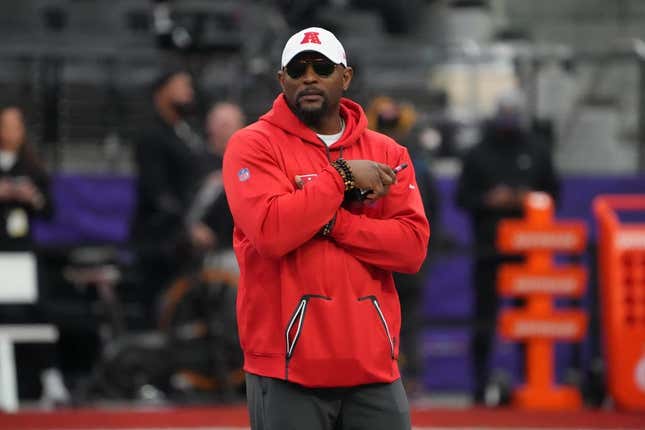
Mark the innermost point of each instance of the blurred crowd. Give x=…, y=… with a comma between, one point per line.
x=181, y=240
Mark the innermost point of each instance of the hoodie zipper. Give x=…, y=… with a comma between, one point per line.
x=381, y=317
x=298, y=319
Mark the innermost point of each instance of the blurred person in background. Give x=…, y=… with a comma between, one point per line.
x=209, y=214
x=167, y=161
x=321, y=222
x=24, y=184
x=496, y=176
x=25, y=196
x=399, y=121
x=206, y=293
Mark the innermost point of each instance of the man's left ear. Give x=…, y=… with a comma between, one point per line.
x=348, y=73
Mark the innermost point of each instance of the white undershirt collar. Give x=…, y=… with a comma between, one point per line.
x=330, y=139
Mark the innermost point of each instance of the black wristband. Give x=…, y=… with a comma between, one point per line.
x=326, y=230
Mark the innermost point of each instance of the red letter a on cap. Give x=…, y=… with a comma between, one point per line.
x=310, y=37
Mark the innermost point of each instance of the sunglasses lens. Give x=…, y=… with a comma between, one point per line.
x=296, y=69
x=323, y=68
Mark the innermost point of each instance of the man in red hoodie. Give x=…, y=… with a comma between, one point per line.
x=324, y=212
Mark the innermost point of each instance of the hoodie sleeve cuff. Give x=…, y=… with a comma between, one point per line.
x=341, y=224
x=338, y=180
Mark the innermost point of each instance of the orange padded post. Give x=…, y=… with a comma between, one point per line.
x=621, y=263
x=538, y=236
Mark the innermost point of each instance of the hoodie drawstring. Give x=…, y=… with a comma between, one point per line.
x=328, y=152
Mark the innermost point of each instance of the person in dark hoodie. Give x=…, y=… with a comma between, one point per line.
x=167, y=157
x=322, y=220
x=496, y=175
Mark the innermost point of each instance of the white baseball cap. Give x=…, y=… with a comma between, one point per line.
x=314, y=39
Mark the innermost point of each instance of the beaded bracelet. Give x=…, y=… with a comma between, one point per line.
x=345, y=172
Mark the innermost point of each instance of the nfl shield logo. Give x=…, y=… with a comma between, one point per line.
x=244, y=174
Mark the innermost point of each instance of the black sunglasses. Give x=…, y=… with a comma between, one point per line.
x=322, y=67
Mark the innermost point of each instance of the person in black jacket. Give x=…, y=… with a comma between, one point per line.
x=24, y=184
x=496, y=175
x=167, y=160
x=24, y=196
x=209, y=213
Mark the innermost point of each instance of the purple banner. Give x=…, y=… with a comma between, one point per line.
x=88, y=210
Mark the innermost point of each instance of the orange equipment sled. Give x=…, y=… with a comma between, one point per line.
x=621, y=263
x=538, y=236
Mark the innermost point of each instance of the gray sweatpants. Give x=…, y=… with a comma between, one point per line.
x=275, y=404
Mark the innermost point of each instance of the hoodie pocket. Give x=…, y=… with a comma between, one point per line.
x=296, y=323
x=383, y=321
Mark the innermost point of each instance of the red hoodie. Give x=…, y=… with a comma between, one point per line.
x=319, y=311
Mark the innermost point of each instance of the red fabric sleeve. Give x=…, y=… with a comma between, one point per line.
x=399, y=240
x=266, y=206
